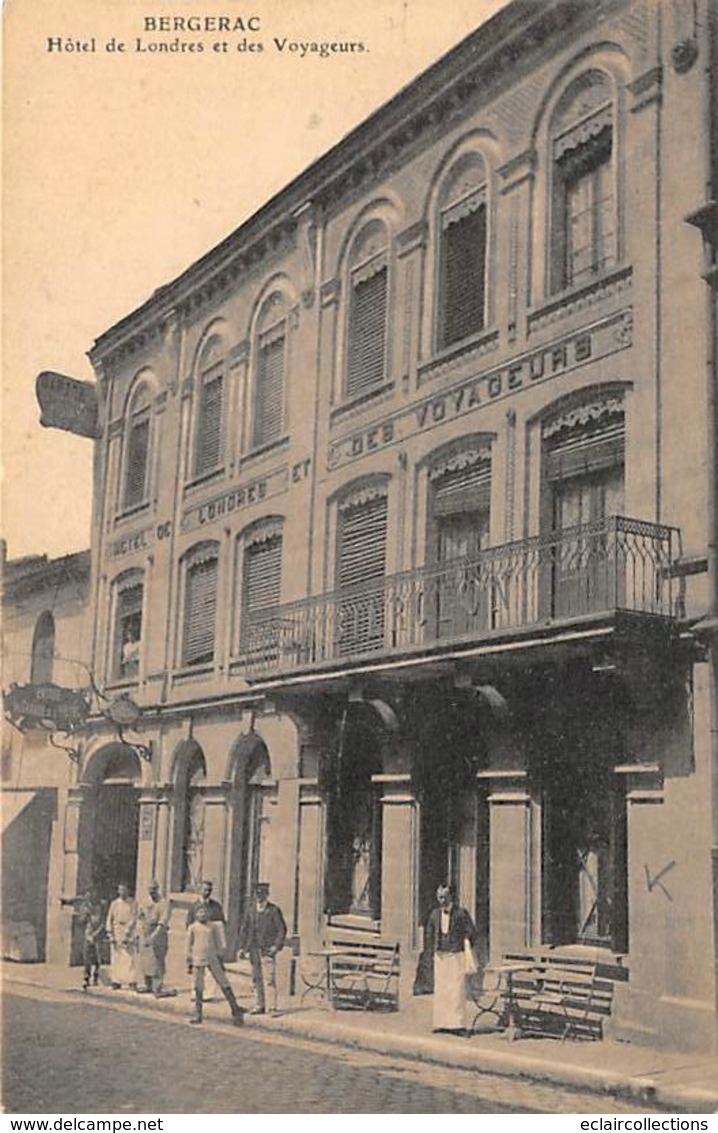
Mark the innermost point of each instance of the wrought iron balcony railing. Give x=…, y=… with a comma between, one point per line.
x=611, y=565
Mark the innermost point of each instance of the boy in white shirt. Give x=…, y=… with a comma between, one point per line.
x=206, y=945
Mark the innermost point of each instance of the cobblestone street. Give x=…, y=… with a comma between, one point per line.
x=65, y=1054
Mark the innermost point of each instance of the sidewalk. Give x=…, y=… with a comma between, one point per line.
x=666, y=1080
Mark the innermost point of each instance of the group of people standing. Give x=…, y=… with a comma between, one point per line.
x=138, y=935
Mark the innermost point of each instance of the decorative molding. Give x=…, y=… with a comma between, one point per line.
x=583, y=414
x=364, y=495
x=513, y=269
x=457, y=461
x=517, y=171
x=330, y=292
x=568, y=303
x=486, y=342
x=238, y=355
x=647, y=88
x=358, y=405
x=412, y=238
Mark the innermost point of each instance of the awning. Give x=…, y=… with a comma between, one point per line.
x=12, y=804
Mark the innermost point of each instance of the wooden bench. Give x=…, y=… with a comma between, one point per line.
x=364, y=975
x=555, y=997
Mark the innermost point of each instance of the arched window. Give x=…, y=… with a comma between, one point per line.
x=583, y=446
x=368, y=311
x=201, y=568
x=191, y=782
x=209, y=419
x=43, y=649
x=462, y=228
x=584, y=214
x=137, y=448
x=129, y=595
x=261, y=587
x=270, y=367
x=361, y=568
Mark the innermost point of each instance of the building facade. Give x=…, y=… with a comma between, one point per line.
x=47, y=629
x=402, y=521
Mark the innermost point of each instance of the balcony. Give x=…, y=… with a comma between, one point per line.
x=581, y=573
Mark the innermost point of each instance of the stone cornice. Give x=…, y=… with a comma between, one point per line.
x=475, y=69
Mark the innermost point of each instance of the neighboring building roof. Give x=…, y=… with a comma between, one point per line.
x=35, y=573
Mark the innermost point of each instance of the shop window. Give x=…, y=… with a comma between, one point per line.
x=584, y=475
x=43, y=649
x=128, y=627
x=200, y=605
x=584, y=231
x=459, y=504
x=261, y=589
x=137, y=449
x=361, y=568
x=368, y=311
x=462, y=253
x=270, y=366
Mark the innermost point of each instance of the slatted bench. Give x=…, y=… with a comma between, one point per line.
x=364, y=975
x=560, y=998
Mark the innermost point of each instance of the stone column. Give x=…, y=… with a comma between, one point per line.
x=400, y=856
x=312, y=841
x=513, y=888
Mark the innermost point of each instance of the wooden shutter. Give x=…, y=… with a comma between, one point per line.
x=465, y=489
x=263, y=574
x=269, y=407
x=367, y=333
x=583, y=442
x=136, y=462
x=208, y=452
x=362, y=546
x=200, y=610
x=463, y=261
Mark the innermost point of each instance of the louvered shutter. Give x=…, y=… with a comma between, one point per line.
x=269, y=407
x=463, y=261
x=200, y=611
x=466, y=489
x=367, y=333
x=263, y=574
x=362, y=548
x=588, y=447
x=136, y=462
x=209, y=426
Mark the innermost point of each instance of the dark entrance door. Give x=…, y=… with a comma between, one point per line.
x=114, y=848
x=584, y=856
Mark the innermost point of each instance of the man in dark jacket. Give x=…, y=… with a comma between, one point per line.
x=215, y=912
x=262, y=936
x=449, y=939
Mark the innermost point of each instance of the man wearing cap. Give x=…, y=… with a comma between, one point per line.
x=262, y=935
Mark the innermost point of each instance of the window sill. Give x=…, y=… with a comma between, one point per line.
x=205, y=478
x=484, y=342
x=131, y=512
x=262, y=450
x=355, y=404
x=572, y=299
x=200, y=669
x=119, y=684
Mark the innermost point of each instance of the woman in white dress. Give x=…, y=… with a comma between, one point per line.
x=121, y=918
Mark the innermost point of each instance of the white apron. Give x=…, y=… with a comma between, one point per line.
x=449, y=1005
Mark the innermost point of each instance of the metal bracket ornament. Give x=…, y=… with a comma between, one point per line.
x=123, y=712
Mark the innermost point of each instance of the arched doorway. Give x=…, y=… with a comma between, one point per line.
x=249, y=770
x=354, y=812
x=189, y=779
x=111, y=820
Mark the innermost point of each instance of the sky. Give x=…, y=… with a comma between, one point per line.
x=122, y=167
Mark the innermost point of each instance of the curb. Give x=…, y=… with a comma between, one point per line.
x=640, y=1089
